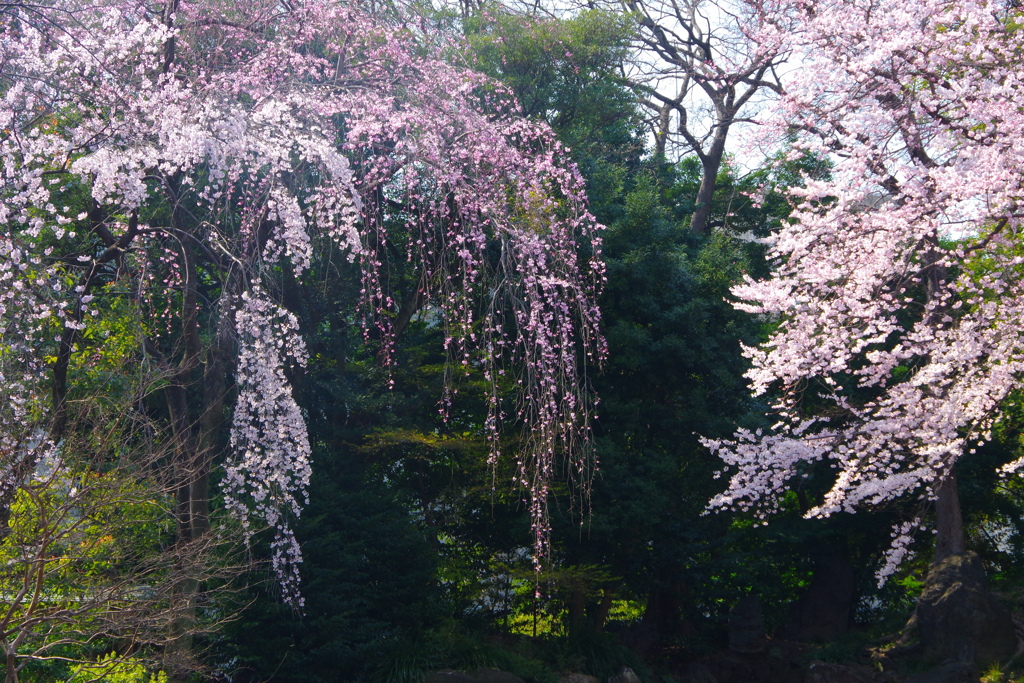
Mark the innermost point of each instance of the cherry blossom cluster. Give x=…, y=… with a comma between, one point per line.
x=271, y=470
x=897, y=288
x=215, y=141
x=902, y=536
x=31, y=306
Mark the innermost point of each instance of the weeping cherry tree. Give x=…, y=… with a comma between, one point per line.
x=186, y=157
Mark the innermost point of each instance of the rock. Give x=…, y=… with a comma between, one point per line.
x=828, y=672
x=958, y=619
x=955, y=672
x=485, y=675
x=746, y=626
x=578, y=678
x=627, y=675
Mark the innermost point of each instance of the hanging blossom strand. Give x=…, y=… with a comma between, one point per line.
x=218, y=142
x=270, y=473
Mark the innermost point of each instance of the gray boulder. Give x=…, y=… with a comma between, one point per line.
x=578, y=678
x=627, y=675
x=958, y=619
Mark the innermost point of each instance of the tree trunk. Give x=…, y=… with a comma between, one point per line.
x=12, y=669
x=661, y=135
x=177, y=653
x=577, y=609
x=710, y=165
x=604, y=608
x=194, y=454
x=188, y=476
x=949, y=521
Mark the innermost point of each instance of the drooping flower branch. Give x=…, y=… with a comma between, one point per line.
x=188, y=153
x=270, y=472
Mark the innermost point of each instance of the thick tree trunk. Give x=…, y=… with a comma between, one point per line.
x=577, y=609
x=604, y=608
x=190, y=474
x=949, y=521
x=211, y=422
x=194, y=456
x=12, y=670
x=177, y=653
x=711, y=163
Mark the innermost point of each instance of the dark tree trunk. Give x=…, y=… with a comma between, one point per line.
x=577, y=609
x=12, y=670
x=711, y=163
x=949, y=521
x=197, y=443
x=603, y=609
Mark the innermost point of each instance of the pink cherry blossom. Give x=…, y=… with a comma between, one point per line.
x=240, y=134
x=897, y=288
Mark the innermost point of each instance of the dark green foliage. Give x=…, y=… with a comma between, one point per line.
x=675, y=369
x=369, y=569
x=993, y=506
x=415, y=548
x=567, y=73
x=674, y=373
x=368, y=579
x=599, y=655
